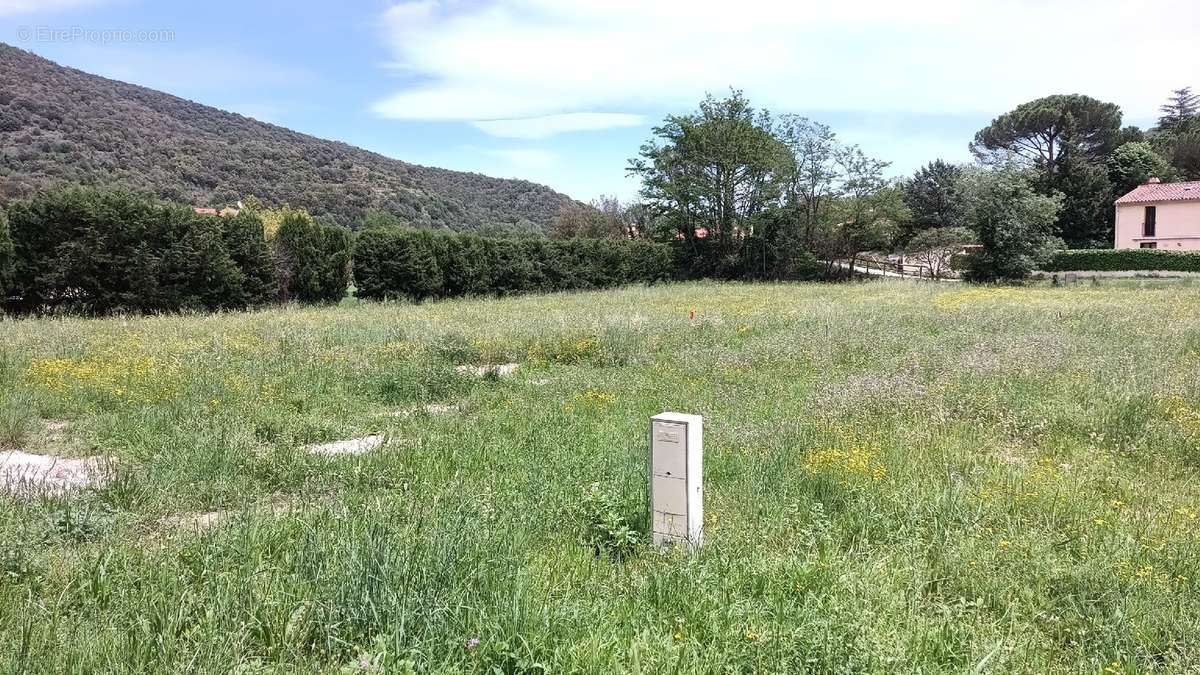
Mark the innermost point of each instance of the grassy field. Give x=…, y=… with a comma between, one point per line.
x=900, y=478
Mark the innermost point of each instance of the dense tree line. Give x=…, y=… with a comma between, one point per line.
x=102, y=252
x=756, y=196
x=398, y=262
x=61, y=127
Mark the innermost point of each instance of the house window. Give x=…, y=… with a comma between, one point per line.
x=1151, y=218
x=1149, y=244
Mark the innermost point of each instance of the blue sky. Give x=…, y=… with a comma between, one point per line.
x=563, y=92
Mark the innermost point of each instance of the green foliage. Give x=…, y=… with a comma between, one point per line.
x=1181, y=145
x=6, y=256
x=1134, y=164
x=386, y=259
x=422, y=264
x=100, y=252
x=244, y=241
x=62, y=126
x=1124, y=260
x=1087, y=215
x=937, y=248
x=1039, y=132
x=933, y=197
x=608, y=519
x=1182, y=108
x=1066, y=138
x=716, y=168
x=1013, y=222
x=313, y=259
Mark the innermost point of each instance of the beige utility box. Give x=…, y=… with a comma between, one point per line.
x=676, y=479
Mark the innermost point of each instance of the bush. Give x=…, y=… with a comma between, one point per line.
x=392, y=262
x=100, y=252
x=386, y=266
x=1125, y=260
x=244, y=240
x=313, y=259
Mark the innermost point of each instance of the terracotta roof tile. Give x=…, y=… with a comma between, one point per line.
x=1162, y=192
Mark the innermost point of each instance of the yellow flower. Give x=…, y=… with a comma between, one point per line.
x=1004, y=543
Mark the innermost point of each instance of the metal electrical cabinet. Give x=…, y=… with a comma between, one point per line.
x=677, y=479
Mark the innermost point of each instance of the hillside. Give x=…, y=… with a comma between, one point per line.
x=61, y=125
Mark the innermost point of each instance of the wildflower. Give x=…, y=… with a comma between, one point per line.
x=472, y=643
x=751, y=636
x=1004, y=543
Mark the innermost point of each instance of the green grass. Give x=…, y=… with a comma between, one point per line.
x=900, y=478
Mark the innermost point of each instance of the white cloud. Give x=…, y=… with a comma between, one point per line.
x=14, y=7
x=550, y=125
x=524, y=59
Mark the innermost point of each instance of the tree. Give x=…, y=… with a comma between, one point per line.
x=1013, y=221
x=313, y=259
x=933, y=197
x=381, y=218
x=716, y=169
x=599, y=220
x=520, y=229
x=1182, y=107
x=1087, y=214
x=6, y=257
x=936, y=247
x=101, y=252
x=1134, y=164
x=243, y=235
x=1039, y=132
x=395, y=262
x=1185, y=153
x=866, y=212
x=812, y=175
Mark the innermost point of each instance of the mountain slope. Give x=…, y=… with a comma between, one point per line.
x=61, y=125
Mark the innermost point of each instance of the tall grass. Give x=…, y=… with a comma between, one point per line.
x=900, y=478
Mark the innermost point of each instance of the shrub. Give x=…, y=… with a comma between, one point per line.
x=313, y=259
x=387, y=266
x=244, y=240
x=392, y=262
x=608, y=527
x=101, y=252
x=1126, y=260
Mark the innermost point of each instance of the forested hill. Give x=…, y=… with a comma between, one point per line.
x=61, y=125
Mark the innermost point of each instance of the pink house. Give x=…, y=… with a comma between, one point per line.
x=1159, y=215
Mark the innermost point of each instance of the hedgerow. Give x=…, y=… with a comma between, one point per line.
x=313, y=259
x=392, y=262
x=101, y=252
x=1125, y=260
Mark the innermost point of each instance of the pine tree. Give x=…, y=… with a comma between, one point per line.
x=1182, y=107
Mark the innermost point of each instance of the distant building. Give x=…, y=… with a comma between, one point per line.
x=1159, y=215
